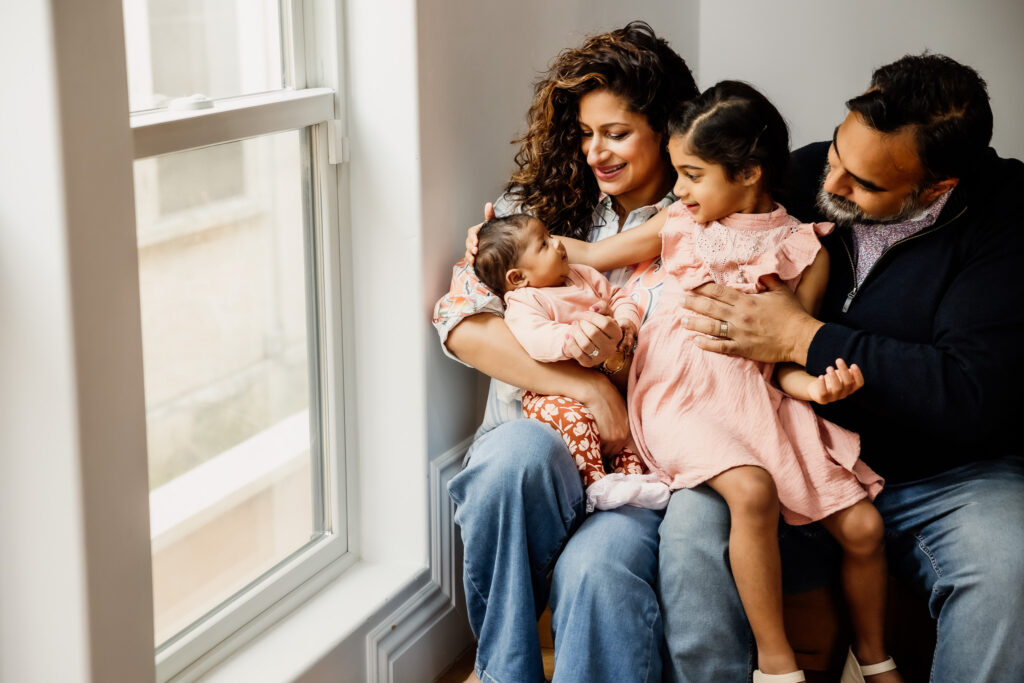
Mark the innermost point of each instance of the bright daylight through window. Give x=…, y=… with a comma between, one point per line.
x=237, y=250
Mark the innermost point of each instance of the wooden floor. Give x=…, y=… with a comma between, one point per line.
x=463, y=666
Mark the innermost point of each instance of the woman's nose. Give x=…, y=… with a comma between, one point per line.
x=594, y=151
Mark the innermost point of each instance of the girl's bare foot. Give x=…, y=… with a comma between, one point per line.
x=472, y=678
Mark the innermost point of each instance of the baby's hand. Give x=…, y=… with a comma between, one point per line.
x=471, y=234
x=628, y=336
x=837, y=383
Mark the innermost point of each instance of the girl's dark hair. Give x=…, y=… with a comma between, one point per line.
x=553, y=181
x=735, y=126
x=498, y=246
x=944, y=102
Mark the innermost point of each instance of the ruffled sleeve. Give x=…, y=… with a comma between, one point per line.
x=466, y=296
x=678, y=249
x=798, y=251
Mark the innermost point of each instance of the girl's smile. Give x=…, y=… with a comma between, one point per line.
x=708, y=193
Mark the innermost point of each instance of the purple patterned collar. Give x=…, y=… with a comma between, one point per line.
x=871, y=240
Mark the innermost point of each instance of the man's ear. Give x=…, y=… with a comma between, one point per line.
x=932, y=192
x=514, y=279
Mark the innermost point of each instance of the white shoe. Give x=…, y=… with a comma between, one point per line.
x=853, y=672
x=617, y=489
x=791, y=677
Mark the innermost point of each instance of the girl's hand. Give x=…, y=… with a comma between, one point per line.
x=593, y=338
x=837, y=383
x=471, y=234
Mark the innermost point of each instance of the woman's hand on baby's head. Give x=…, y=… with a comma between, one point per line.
x=837, y=383
x=471, y=234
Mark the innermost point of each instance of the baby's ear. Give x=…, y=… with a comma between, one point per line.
x=514, y=279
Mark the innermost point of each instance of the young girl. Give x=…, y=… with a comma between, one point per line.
x=701, y=417
x=519, y=259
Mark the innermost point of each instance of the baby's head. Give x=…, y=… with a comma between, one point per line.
x=728, y=145
x=518, y=251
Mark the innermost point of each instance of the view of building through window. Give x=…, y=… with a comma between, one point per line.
x=228, y=314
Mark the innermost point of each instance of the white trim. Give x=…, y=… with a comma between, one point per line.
x=423, y=636
x=164, y=131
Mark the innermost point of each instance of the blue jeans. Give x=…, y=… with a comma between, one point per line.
x=956, y=539
x=520, y=509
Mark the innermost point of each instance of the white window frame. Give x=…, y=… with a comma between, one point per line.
x=313, y=40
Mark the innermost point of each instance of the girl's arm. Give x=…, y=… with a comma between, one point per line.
x=485, y=342
x=839, y=381
x=632, y=246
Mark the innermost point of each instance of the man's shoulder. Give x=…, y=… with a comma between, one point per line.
x=807, y=165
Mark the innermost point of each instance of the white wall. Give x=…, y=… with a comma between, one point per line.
x=810, y=56
x=75, y=598
x=477, y=65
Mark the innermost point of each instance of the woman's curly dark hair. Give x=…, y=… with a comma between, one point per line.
x=553, y=181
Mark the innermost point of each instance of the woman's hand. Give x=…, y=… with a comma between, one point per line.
x=771, y=326
x=471, y=234
x=593, y=338
x=609, y=409
x=836, y=384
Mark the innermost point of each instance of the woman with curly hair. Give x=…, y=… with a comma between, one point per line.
x=592, y=163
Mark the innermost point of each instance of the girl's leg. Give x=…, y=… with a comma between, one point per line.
x=754, y=557
x=860, y=532
x=575, y=423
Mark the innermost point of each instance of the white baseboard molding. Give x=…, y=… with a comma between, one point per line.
x=420, y=639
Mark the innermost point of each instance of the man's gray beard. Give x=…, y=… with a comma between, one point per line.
x=842, y=211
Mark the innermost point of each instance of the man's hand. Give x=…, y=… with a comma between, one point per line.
x=836, y=384
x=593, y=338
x=770, y=326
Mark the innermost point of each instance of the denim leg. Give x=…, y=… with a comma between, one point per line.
x=518, y=500
x=958, y=538
x=605, y=614
x=706, y=629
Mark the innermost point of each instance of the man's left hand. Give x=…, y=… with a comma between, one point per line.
x=770, y=326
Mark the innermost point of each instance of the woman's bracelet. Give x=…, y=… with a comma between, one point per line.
x=610, y=369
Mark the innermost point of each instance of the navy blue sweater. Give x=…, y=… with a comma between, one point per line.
x=937, y=327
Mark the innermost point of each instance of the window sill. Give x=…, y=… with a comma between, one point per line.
x=333, y=624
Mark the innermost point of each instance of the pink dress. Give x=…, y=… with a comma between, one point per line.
x=695, y=414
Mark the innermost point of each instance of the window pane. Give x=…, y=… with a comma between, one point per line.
x=230, y=403
x=177, y=48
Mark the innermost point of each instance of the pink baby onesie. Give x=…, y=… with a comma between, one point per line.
x=540, y=317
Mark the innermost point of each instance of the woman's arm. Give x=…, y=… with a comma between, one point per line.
x=485, y=342
x=632, y=246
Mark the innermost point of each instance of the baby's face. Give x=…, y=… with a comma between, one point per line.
x=542, y=259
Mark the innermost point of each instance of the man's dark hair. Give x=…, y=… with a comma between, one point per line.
x=944, y=101
x=498, y=247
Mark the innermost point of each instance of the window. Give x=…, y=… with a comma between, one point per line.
x=239, y=262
